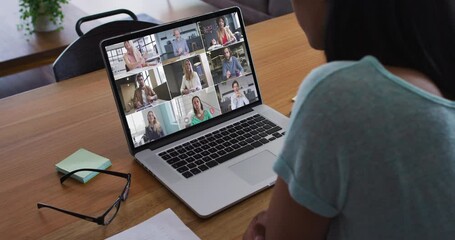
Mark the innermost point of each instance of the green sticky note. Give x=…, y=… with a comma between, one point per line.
x=83, y=158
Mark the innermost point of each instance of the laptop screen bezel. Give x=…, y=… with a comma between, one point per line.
x=199, y=127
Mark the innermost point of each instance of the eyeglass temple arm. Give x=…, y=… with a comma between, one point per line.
x=118, y=174
x=88, y=218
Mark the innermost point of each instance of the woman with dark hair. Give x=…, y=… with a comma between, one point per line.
x=370, y=150
x=225, y=36
x=200, y=114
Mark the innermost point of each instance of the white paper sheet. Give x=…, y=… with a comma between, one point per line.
x=163, y=226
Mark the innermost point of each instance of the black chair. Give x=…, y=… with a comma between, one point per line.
x=83, y=55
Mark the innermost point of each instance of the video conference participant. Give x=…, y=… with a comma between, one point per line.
x=231, y=66
x=225, y=36
x=190, y=80
x=143, y=95
x=133, y=58
x=238, y=99
x=200, y=114
x=179, y=45
x=153, y=131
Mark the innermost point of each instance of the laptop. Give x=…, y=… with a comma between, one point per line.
x=191, y=109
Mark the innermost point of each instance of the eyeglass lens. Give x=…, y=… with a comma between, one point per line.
x=112, y=212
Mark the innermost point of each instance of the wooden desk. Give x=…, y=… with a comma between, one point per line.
x=40, y=127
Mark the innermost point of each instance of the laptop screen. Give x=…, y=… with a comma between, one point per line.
x=170, y=80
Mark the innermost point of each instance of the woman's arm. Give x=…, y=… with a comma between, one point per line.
x=286, y=219
x=231, y=36
x=130, y=66
x=183, y=86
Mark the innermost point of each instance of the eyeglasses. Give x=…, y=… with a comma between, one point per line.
x=110, y=213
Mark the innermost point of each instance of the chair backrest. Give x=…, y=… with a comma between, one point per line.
x=83, y=55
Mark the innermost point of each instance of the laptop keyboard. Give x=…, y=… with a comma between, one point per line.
x=200, y=154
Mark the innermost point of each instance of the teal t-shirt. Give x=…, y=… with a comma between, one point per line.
x=373, y=152
x=195, y=120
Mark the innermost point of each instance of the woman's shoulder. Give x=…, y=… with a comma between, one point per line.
x=338, y=74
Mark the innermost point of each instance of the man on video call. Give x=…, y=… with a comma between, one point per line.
x=143, y=95
x=179, y=45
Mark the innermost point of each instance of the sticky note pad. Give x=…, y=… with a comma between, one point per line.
x=83, y=158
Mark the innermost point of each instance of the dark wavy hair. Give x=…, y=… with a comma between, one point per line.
x=405, y=33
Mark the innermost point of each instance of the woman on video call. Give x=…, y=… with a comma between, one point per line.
x=225, y=36
x=153, y=131
x=370, y=149
x=200, y=114
x=133, y=58
x=190, y=80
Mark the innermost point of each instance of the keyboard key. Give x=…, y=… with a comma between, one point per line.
x=183, y=156
x=173, y=160
x=191, y=165
x=165, y=156
x=187, y=174
x=212, y=163
x=272, y=130
x=199, y=162
x=277, y=135
x=214, y=155
x=256, y=144
x=228, y=149
x=195, y=171
x=183, y=169
x=256, y=137
x=263, y=140
x=234, y=154
x=203, y=167
x=179, y=164
x=173, y=153
x=243, y=143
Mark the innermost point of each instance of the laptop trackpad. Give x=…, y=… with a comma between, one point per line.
x=256, y=168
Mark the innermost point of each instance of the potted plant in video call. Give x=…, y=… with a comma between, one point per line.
x=41, y=15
